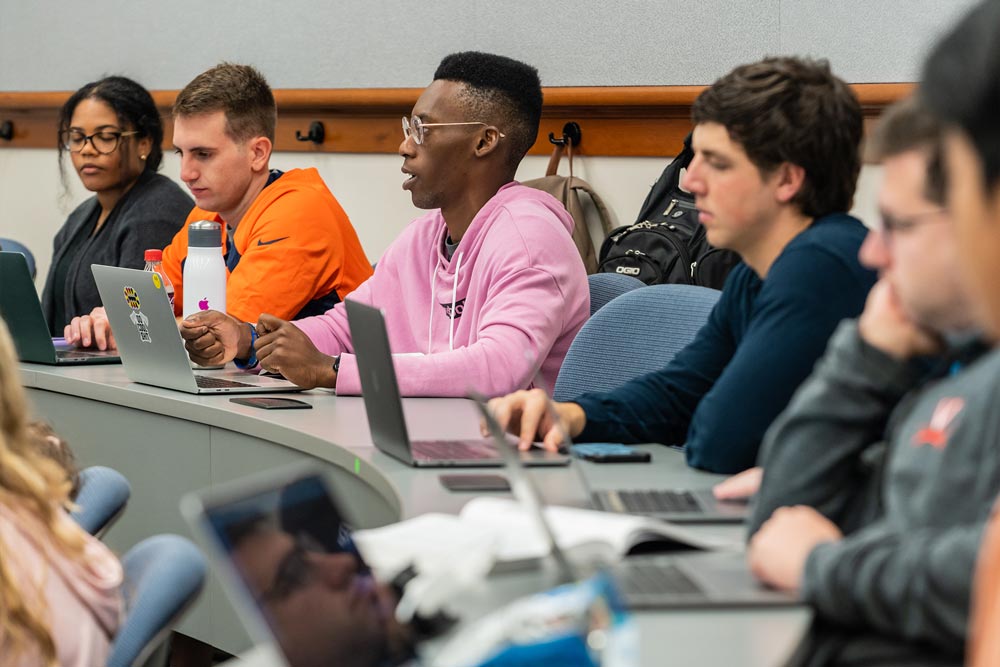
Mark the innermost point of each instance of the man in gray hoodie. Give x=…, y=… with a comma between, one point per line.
x=880, y=475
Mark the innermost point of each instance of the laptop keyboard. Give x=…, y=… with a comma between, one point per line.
x=205, y=382
x=80, y=354
x=655, y=579
x=646, y=501
x=443, y=450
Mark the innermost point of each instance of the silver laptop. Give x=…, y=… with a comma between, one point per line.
x=693, y=579
x=151, y=347
x=677, y=505
x=20, y=308
x=283, y=551
x=385, y=407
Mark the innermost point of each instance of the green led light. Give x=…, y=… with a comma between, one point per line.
x=357, y=466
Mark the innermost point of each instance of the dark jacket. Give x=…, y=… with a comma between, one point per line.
x=147, y=216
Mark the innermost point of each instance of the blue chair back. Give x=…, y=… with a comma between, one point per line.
x=163, y=576
x=10, y=245
x=636, y=333
x=101, y=497
x=606, y=286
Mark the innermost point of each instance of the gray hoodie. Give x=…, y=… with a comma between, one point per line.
x=913, y=510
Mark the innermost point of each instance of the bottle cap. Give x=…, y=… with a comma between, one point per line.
x=154, y=255
x=204, y=234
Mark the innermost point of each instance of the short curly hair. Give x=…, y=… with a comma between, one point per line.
x=792, y=110
x=499, y=90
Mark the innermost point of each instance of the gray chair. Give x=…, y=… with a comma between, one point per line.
x=101, y=497
x=10, y=245
x=606, y=286
x=636, y=333
x=163, y=576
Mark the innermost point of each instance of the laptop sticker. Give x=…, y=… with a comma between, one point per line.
x=157, y=283
x=140, y=321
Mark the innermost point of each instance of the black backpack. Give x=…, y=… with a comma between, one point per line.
x=667, y=244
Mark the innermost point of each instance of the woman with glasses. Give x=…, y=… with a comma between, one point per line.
x=113, y=134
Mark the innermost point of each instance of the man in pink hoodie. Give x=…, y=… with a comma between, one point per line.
x=483, y=291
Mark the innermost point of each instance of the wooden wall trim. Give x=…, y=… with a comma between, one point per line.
x=616, y=121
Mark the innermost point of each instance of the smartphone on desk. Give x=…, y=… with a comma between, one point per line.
x=609, y=452
x=272, y=403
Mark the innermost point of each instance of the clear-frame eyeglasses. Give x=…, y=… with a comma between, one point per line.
x=416, y=128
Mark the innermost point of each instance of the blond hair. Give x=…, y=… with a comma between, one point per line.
x=33, y=484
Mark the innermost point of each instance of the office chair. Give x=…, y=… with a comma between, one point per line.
x=10, y=245
x=163, y=576
x=638, y=332
x=102, y=496
x=606, y=286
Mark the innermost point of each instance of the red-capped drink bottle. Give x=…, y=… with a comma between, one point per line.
x=154, y=262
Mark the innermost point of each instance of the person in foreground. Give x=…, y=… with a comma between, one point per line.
x=479, y=292
x=962, y=86
x=59, y=587
x=289, y=247
x=768, y=190
x=112, y=131
x=879, y=476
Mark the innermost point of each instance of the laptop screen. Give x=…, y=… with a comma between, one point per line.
x=293, y=553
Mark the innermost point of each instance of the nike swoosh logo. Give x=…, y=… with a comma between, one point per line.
x=263, y=242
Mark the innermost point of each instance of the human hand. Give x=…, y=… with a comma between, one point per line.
x=885, y=325
x=213, y=338
x=529, y=414
x=91, y=330
x=740, y=486
x=283, y=348
x=777, y=554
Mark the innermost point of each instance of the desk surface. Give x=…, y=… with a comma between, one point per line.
x=169, y=443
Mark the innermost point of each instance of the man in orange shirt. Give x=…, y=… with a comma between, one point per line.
x=290, y=249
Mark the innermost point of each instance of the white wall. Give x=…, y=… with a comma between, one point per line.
x=383, y=43
x=368, y=186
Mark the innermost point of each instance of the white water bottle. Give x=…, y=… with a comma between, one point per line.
x=154, y=263
x=204, y=269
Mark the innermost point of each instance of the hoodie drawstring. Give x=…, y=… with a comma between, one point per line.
x=454, y=294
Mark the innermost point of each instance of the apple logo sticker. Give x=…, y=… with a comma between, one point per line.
x=203, y=304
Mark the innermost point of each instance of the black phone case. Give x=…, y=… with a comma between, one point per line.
x=271, y=403
x=474, y=482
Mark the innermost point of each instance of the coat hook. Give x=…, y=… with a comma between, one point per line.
x=316, y=133
x=571, y=133
x=7, y=130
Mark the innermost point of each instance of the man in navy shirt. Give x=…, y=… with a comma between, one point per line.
x=776, y=162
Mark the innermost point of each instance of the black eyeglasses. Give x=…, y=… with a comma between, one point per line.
x=104, y=142
x=891, y=225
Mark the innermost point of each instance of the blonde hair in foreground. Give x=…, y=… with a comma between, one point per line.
x=32, y=484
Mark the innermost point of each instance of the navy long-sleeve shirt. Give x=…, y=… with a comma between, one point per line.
x=721, y=392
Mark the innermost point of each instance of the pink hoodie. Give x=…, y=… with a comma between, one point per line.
x=516, y=283
x=81, y=597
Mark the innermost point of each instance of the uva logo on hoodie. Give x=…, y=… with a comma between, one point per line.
x=455, y=313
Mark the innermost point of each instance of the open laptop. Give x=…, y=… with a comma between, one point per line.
x=20, y=308
x=385, y=407
x=150, y=345
x=677, y=505
x=691, y=579
x=285, y=556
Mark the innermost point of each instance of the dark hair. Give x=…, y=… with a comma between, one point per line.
x=501, y=91
x=906, y=126
x=961, y=83
x=792, y=110
x=133, y=105
x=240, y=91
